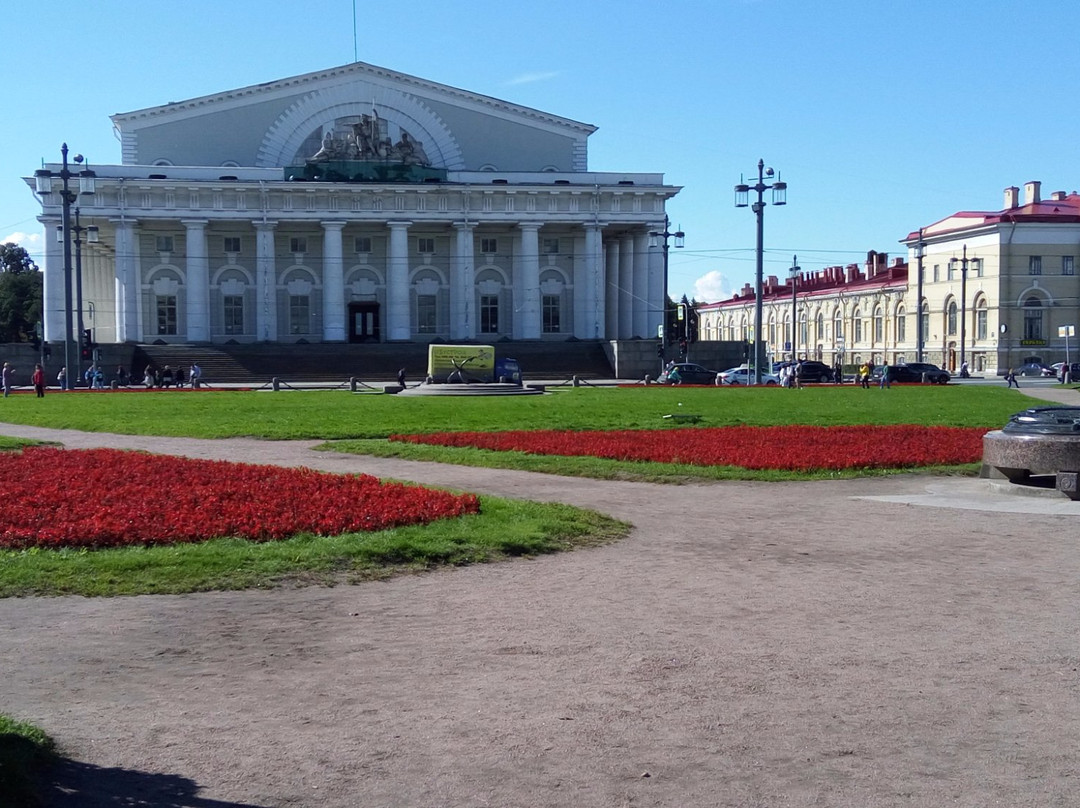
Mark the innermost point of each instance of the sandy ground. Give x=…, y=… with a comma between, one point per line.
x=866, y=643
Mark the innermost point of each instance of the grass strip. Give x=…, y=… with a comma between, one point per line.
x=24, y=752
x=503, y=529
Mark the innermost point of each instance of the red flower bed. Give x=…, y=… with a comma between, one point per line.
x=105, y=497
x=798, y=448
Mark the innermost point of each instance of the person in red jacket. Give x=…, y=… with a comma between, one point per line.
x=38, y=380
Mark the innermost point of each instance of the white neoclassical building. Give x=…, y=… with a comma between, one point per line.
x=356, y=204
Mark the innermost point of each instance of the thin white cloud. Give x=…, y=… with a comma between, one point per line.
x=531, y=78
x=28, y=241
x=711, y=287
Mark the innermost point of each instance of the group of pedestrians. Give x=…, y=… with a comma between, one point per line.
x=165, y=377
x=866, y=372
x=37, y=378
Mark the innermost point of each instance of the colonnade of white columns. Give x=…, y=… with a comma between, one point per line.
x=617, y=284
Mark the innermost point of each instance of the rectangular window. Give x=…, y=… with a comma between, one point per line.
x=1033, y=320
x=489, y=314
x=298, y=244
x=937, y=273
x=234, y=314
x=164, y=244
x=551, y=313
x=858, y=329
x=551, y=246
x=299, y=314
x=977, y=266
x=489, y=246
x=362, y=244
x=1067, y=266
x=425, y=245
x=951, y=271
x=425, y=314
x=1035, y=265
x=980, y=323
x=231, y=244
x=166, y=314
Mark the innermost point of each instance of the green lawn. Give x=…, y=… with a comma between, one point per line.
x=332, y=415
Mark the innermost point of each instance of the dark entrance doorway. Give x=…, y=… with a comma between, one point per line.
x=364, y=322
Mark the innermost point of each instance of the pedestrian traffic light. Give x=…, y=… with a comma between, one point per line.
x=87, y=346
x=681, y=312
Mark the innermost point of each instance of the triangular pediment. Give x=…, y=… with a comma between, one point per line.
x=277, y=123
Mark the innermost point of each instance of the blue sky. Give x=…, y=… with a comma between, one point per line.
x=881, y=116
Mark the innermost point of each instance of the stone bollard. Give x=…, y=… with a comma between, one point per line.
x=275, y=384
x=648, y=380
x=576, y=381
x=352, y=384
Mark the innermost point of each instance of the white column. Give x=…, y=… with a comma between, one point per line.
x=589, y=287
x=611, y=282
x=626, y=286
x=197, y=282
x=656, y=291
x=641, y=285
x=127, y=280
x=528, y=279
x=463, y=284
x=266, y=328
x=54, y=279
x=398, y=321
x=333, y=283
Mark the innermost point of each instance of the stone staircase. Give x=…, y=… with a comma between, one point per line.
x=258, y=364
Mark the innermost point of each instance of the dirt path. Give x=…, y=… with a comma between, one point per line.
x=747, y=645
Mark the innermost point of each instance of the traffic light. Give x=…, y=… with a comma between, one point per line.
x=681, y=312
x=87, y=343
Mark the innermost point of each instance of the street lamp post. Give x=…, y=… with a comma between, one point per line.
x=655, y=237
x=920, y=336
x=794, y=304
x=742, y=192
x=77, y=231
x=43, y=178
x=963, y=306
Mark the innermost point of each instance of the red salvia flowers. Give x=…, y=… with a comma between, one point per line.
x=105, y=497
x=797, y=448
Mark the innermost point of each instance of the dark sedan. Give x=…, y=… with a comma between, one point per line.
x=688, y=373
x=1034, y=369
x=913, y=373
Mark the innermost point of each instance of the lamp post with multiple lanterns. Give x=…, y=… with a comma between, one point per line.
x=655, y=237
x=44, y=185
x=742, y=192
x=920, y=335
x=795, y=268
x=963, y=306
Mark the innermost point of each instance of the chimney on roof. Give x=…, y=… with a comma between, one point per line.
x=1031, y=192
x=1058, y=196
x=1012, y=197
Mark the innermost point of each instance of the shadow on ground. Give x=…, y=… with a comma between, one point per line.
x=73, y=784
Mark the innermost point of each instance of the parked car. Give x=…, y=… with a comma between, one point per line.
x=688, y=373
x=1074, y=372
x=811, y=371
x=913, y=372
x=1035, y=369
x=744, y=375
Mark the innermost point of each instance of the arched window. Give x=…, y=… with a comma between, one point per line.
x=925, y=322
x=856, y=319
x=838, y=324
x=819, y=324
x=950, y=318
x=879, y=324
x=1033, y=318
x=901, y=325
x=981, y=319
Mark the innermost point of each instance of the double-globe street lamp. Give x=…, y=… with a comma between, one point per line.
x=91, y=238
x=43, y=179
x=655, y=237
x=963, y=305
x=742, y=192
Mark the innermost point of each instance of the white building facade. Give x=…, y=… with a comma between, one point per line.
x=357, y=204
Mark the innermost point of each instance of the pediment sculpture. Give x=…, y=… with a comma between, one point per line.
x=367, y=140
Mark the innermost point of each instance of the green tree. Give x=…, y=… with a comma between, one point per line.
x=21, y=292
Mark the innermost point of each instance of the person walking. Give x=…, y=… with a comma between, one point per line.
x=885, y=380
x=38, y=380
x=864, y=375
x=61, y=378
x=8, y=379
x=1010, y=379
